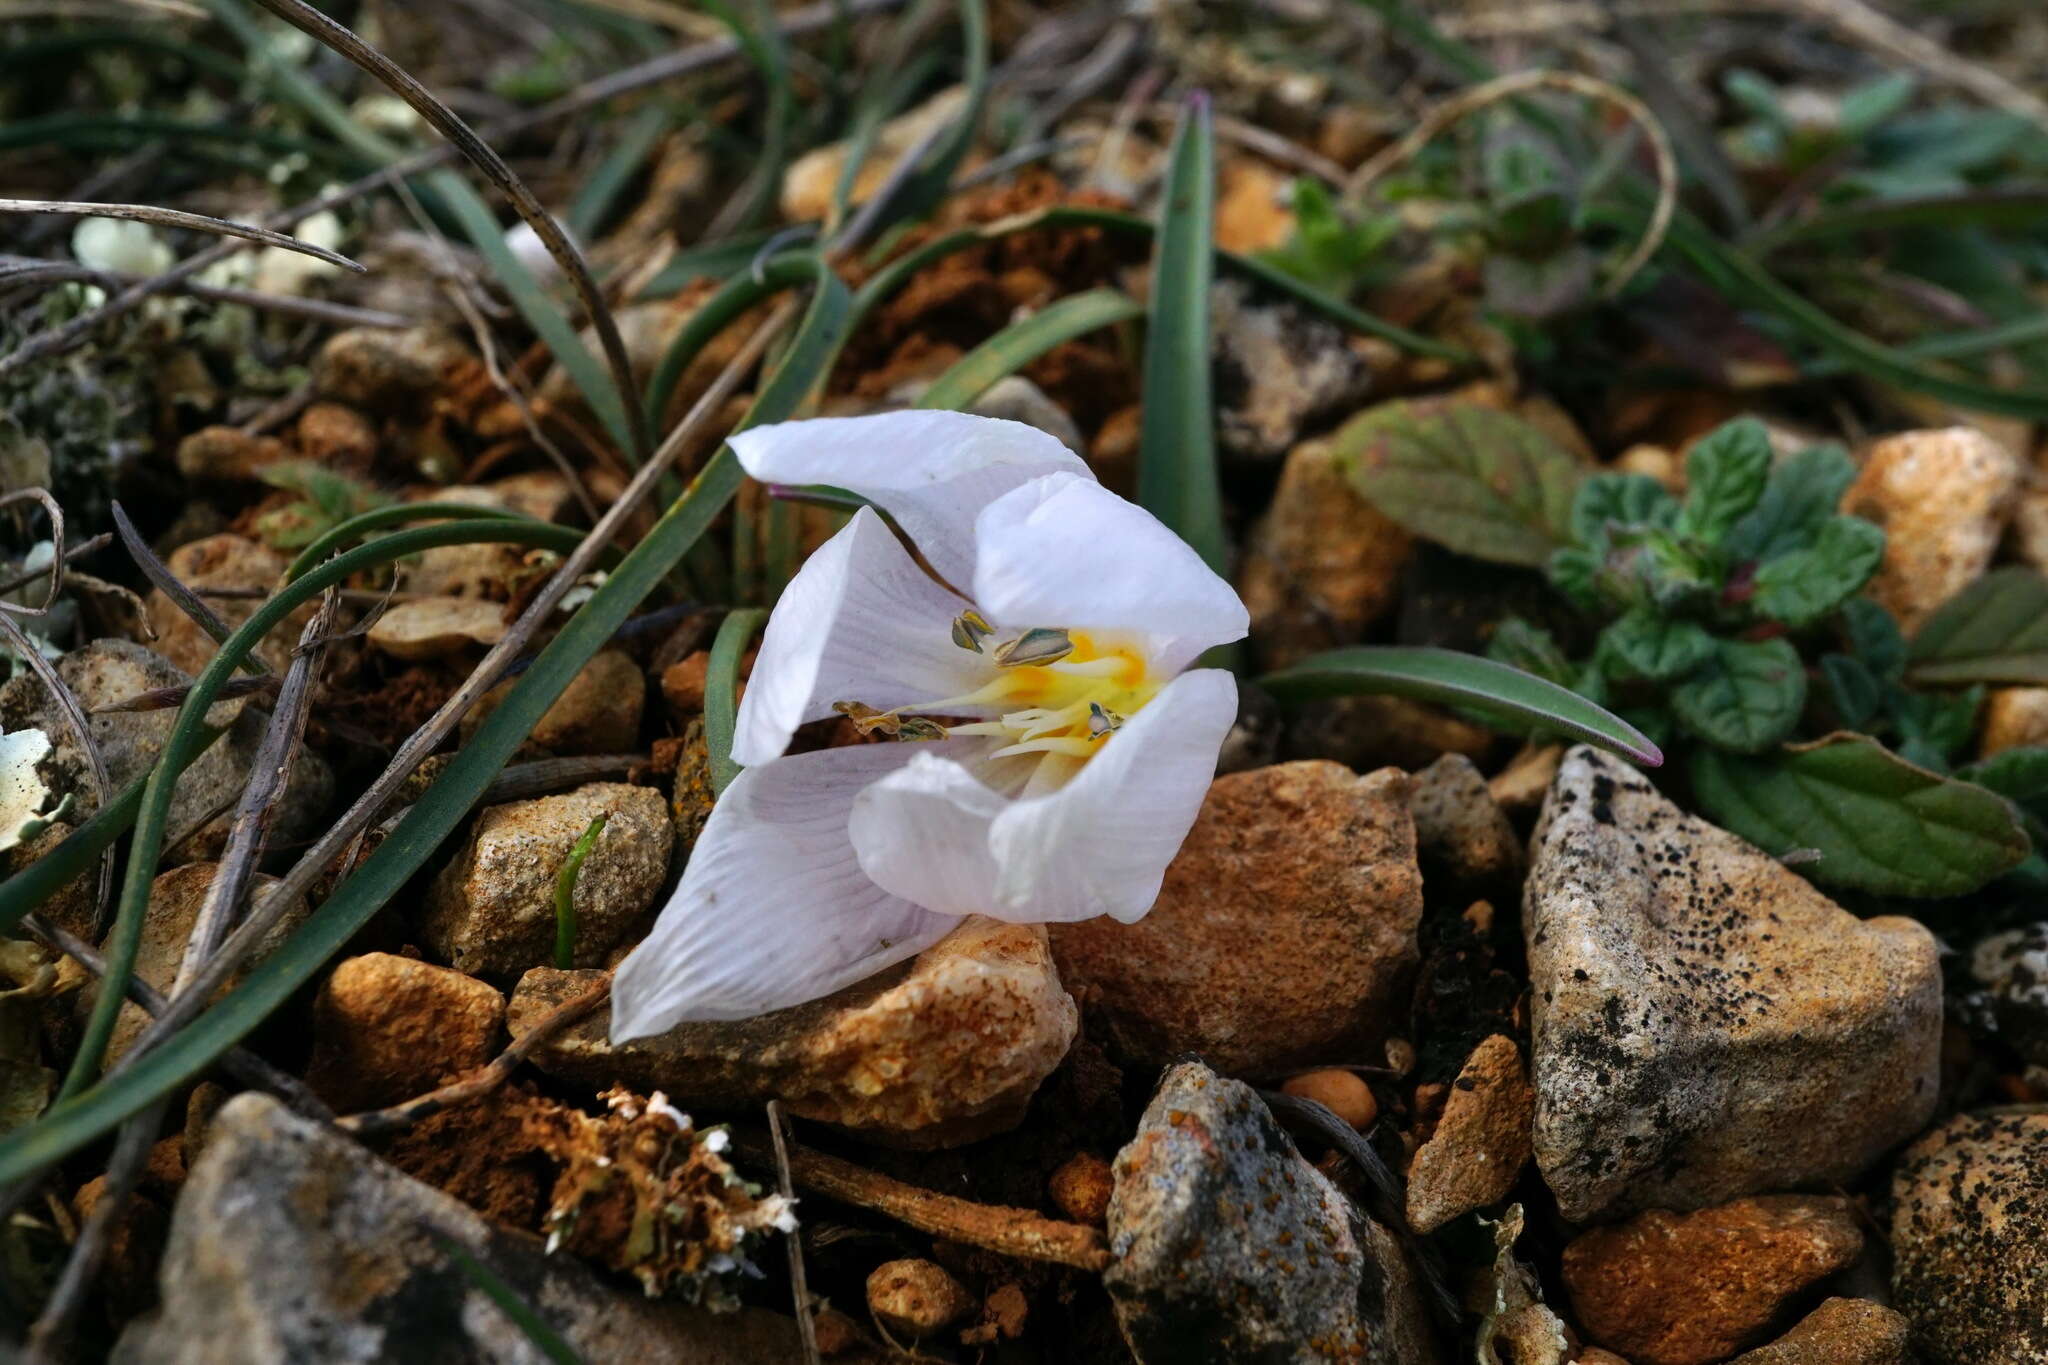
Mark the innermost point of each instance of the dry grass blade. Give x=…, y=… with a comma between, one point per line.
x=198, y=222
x=1477, y=97
x=15, y=275
x=799, y=1285
x=66, y=701
x=160, y=576
x=78, y=551
x=445, y=121
x=58, y=557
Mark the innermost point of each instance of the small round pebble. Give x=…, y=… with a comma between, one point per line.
x=1081, y=1187
x=1342, y=1093
x=916, y=1298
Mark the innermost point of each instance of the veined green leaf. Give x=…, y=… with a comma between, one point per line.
x=1655, y=647
x=1879, y=823
x=1017, y=345
x=1802, y=494
x=1177, y=479
x=1994, y=631
x=1801, y=587
x=1478, y=481
x=1464, y=680
x=358, y=898
x=1725, y=475
x=1746, y=696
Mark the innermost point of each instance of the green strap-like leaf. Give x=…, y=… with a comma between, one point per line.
x=1454, y=679
x=1879, y=823
x=721, y=690
x=358, y=898
x=1177, y=438
x=398, y=514
x=1994, y=631
x=1017, y=345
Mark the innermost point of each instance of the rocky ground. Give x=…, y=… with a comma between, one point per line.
x=1442, y=1042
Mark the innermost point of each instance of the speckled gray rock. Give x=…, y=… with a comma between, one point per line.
x=107, y=672
x=1462, y=836
x=941, y=1050
x=2011, y=974
x=492, y=910
x=1970, y=1239
x=1277, y=369
x=1839, y=1332
x=1231, y=1248
x=292, y=1245
x=1705, y=1024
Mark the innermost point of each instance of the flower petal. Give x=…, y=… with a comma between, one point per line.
x=1100, y=845
x=773, y=909
x=859, y=622
x=932, y=472
x=922, y=832
x=1066, y=552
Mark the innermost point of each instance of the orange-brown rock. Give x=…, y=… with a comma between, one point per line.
x=1284, y=931
x=938, y=1051
x=1943, y=498
x=387, y=1028
x=916, y=1298
x=598, y=712
x=2014, y=718
x=1839, y=1332
x=1339, y=1091
x=226, y=454
x=338, y=436
x=222, y=561
x=1080, y=1188
x=682, y=683
x=1480, y=1144
x=1322, y=564
x=1689, y=1288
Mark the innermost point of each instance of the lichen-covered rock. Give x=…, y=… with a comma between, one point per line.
x=220, y=561
x=1278, y=368
x=1943, y=498
x=1284, y=933
x=1839, y=1332
x=386, y=1028
x=1970, y=1239
x=597, y=713
x=293, y=1244
x=175, y=899
x=915, y=1298
x=941, y=1050
x=1685, y=1289
x=1705, y=1023
x=1322, y=564
x=1231, y=1248
x=1480, y=1144
x=491, y=912
x=106, y=673
x=2010, y=971
x=1462, y=836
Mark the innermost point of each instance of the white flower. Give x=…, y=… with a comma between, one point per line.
x=120, y=246
x=1066, y=750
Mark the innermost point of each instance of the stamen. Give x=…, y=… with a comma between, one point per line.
x=970, y=628
x=1035, y=646
x=894, y=724
x=1072, y=748
x=1101, y=720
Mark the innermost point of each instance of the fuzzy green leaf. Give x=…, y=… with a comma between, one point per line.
x=1801, y=496
x=1518, y=644
x=1464, y=680
x=1478, y=481
x=1879, y=823
x=1874, y=638
x=2021, y=774
x=1606, y=500
x=1856, y=691
x=1725, y=476
x=1994, y=631
x=1747, y=695
x=1654, y=647
x=1801, y=587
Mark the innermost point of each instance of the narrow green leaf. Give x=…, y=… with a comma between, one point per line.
x=1478, y=481
x=1801, y=587
x=713, y=260
x=565, y=891
x=1017, y=345
x=1177, y=438
x=535, y=1328
x=722, y=688
x=1465, y=680
x=358, y=898
x=592, y=206
x=1879, y=823
x=1994, y=631
x=398, y=514
x=727, y=304
x=1747, y=695
x=2014, y=206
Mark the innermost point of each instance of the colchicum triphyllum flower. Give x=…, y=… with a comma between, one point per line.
x=1059, y=750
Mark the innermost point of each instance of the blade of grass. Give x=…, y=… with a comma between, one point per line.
x=1454, y=679
x=765, y=49
x=1177, y=479
x=721, y=690
x=713, y=260
x=542, y=1337
x=398, y=514
x=1017, y=345
x=2022, y=207
x=592, y=206
x=358, y=898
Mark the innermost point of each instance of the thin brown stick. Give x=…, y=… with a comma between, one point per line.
x=66, y=701
x=199, y=222
x=183, y=598
x=799, y=1284
x=1477, y=97
x=485, y=1079
x=993, y=1227
x=78, y=551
